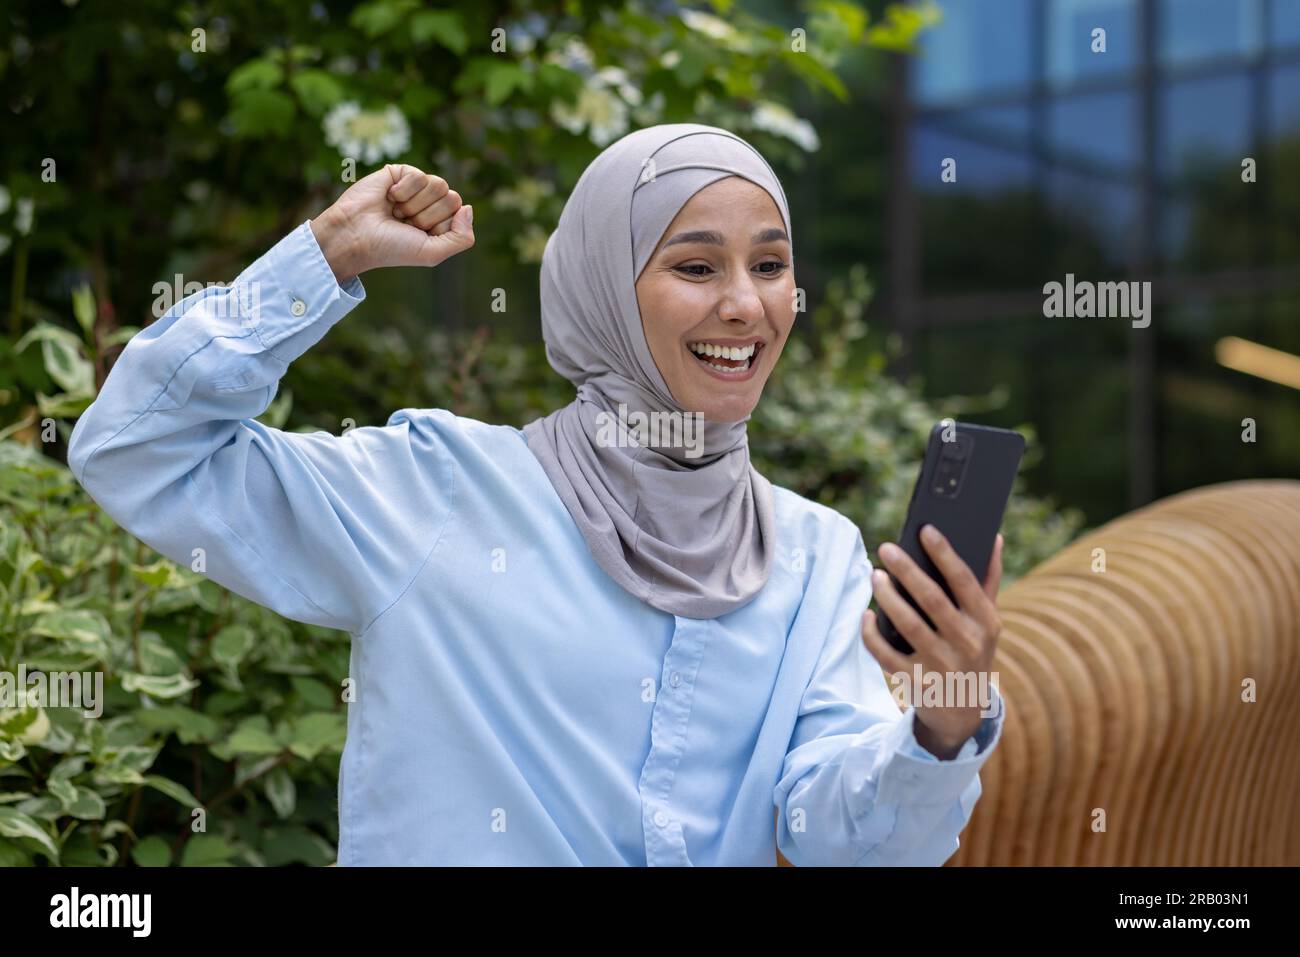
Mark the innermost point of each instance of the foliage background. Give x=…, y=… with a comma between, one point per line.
x=175, y=161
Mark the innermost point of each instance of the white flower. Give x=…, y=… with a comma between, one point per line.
x=575, y=55
x=615, y=78
x=775, y=118
x=602, y=113
x=23, y=215
x=709, y=25
x=524, y=196
x=368, y=135
x=531, y=243
x=602, y=107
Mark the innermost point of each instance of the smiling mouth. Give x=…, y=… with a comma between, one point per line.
x=727, y=360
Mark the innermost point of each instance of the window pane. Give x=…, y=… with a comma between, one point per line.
x=976, y=48
x=980, y=165
x=1193, y=30
x=1094, y=133
x=1284, y=103
x=998, y=127
x=1069, y=39
x=1096, y=225
x=970, y=227
x=1284, y=25
x=1203, y=123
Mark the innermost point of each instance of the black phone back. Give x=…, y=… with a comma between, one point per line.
x=962, y=490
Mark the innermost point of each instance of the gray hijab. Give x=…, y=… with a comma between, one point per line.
x=688, y=532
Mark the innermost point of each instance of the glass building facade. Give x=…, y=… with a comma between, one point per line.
x=1112, y=140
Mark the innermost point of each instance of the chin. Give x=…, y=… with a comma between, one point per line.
x=728, y=411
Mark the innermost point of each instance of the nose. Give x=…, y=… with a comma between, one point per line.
x=740, y=301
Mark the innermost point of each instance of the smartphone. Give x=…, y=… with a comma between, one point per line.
x=962, y=490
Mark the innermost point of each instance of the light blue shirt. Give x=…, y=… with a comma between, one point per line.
x=513, y=705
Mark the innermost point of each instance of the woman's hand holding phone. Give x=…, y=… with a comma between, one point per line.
x=963, y=640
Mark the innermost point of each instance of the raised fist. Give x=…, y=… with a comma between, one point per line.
x=396, y=216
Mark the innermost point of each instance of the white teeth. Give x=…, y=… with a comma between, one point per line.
x=734, y=353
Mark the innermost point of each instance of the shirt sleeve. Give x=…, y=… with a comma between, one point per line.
x=321, y=528
x=857, y=788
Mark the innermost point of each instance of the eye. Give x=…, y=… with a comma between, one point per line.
x=778, y=267
x=686, y=270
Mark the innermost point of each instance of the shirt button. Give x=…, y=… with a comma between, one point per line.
x=298, y=307
x=675, y=679
x=661, y=819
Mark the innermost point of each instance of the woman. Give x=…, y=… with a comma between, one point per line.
x=570, y=646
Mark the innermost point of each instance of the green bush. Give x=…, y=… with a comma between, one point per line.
x=222, y=722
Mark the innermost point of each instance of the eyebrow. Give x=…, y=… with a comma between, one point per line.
x=714, y=238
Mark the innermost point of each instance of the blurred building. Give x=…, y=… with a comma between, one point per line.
x=1126, y=164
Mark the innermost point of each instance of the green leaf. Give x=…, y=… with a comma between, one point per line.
x=14, y=722
x=157, y=657
x=380, y=16
x=317, y=90
x=280, y=791
x=444, y=26
x=190, y=726
x=62, y=789
x=177, y=792
x=66, y=363
x=11, y=751
x=84, y=627
x=156, y=575
x=15, y=824
x=253, y=736
x=64, y=405
x=254, y=75
x=159, y=686
x=68, y=768
x=503, y=79
x=87, y=805
x=11, y=855
x=497, y=76
x=206, y=850
x=313, y=693
x=262, y=113
x=901, y=25
x=83, y=307
x=152, y=852
x=816, y=73
x=314, y=733
x=295, y=845
x=126, y=765
x=231, y=644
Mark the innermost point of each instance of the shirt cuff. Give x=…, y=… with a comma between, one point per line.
x=915, y=776
x=292, y=298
